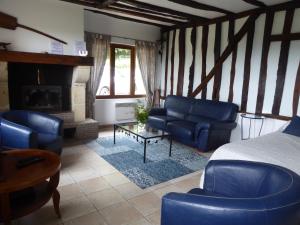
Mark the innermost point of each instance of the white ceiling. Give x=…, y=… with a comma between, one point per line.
x=234, y=6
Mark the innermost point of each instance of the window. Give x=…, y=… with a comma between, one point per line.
x=122, y=76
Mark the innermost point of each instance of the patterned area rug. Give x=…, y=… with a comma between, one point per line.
x=127, y=157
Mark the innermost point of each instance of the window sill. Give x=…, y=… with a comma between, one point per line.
x=119, y=96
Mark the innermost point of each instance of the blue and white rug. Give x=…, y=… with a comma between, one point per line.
x=127, y=157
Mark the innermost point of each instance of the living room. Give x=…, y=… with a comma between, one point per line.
x=149, y=112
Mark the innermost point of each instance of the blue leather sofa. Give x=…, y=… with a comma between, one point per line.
x=26, y=129
x=237, y=193
x=203, y=124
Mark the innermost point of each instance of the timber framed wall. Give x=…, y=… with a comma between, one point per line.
x=261, y=73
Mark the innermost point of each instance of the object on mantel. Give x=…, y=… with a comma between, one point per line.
x=10, y=22
x=4, y=45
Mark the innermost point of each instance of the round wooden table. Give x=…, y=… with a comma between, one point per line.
x=24, y=190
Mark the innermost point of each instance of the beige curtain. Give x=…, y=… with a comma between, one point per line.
x=146, y=54
x=98, y=47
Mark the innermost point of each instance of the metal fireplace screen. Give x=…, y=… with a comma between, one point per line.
x=42, y=97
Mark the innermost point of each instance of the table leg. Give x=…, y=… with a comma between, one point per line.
x=171, y=142
x=5, y=208
x=56, y=199
x=114, y=134
x=145, y=145
x=54, y=180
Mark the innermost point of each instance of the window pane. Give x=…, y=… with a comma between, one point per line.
x=139, y=85
x=104, y=88
x=122, y=71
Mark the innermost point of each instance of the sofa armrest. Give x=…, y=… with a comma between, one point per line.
x=17, y=136
x=191, y=209
x=157, y=112
x=224, y=126
x=43, y=123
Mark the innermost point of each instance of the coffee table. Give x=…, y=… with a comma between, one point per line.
x=27, y=189
x=142, y=134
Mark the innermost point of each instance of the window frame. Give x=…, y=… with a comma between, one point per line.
x=112, y=94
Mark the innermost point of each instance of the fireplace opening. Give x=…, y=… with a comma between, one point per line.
x=40, y=87
x=42, y=97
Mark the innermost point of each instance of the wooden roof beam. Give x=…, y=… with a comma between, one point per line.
x=143, y=15
x=106, y=3
x=119, y=5
x=127, y=18
x=148, y=6
x=256, y=3
x=201, y=6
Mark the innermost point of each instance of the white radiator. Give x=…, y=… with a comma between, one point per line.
x=125, y=111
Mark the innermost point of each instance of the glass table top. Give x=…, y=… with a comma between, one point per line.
x=141, y=130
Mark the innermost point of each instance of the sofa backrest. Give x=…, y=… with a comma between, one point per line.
x=216, y=110
x=178, y=106
x=243, y=179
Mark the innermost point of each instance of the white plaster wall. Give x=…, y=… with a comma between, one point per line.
x=293, y=62
x=105, y=109
x=59, y=19
x=102, y=24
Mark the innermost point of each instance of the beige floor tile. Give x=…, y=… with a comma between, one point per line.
x=94, y=185
x=65, y=179
x=105, y=198
x=147, y=203
x=82, y=173
x=139, y=222
x=94, y=218
x=167, y=189
x=154, y=218
x=103, y=169
x=129, y=190
x=45, y=216
x=121, y=214
x=70, y=191
x=76, y=207
x=188, y=184
x=116, y=179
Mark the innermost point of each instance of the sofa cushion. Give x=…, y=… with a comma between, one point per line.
x=178, y=106
x=160, y=122
x=294, y=127
x=220, y=111
x=182, y=129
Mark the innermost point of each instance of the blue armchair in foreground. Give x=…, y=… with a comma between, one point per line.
x=237, y=193
x=26, y=129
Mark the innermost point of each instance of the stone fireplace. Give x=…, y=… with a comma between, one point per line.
x=48, y=83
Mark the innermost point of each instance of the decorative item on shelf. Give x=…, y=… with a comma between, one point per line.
x=4, y=45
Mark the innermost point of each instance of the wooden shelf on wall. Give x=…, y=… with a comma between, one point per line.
x=45, y=58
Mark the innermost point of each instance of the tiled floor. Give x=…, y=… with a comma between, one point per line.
x=94, y=193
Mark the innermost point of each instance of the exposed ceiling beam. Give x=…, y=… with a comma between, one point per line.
x=256, y=3
x=119, y=5
x=277, y=7
x=127, y=18
x=198, y=5
x=164, y=10
x=107, y=3
x=143, y=15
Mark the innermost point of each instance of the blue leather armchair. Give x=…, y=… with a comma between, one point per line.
x=26, y=129
x=203, y=124
x=237, y=193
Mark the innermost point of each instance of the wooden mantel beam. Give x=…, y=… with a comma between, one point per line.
x=201, y=6
x=228, y=50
